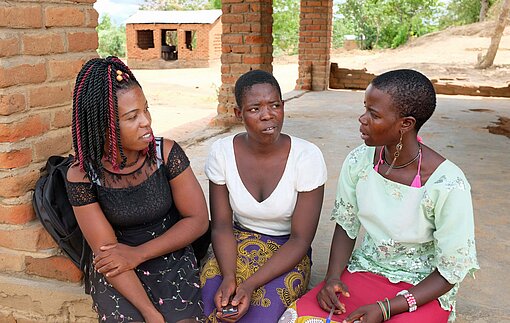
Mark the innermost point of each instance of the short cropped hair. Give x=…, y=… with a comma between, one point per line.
x=412, y=93
x=247, y=80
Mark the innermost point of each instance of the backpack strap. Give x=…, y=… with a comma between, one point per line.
x=159, y=150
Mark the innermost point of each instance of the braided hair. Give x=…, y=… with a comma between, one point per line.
x=95, y=124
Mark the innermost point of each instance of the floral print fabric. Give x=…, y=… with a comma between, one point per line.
x=409, y=231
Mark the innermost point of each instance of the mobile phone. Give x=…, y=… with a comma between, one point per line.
x=229, y=310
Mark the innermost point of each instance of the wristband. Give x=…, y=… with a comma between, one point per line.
x=411, y=301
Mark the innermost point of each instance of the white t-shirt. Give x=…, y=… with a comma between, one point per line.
x=305, y=171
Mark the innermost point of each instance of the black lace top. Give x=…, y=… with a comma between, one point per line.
x=135, y=199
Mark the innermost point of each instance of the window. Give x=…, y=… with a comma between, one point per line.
x=145, y=39
x=191, y=39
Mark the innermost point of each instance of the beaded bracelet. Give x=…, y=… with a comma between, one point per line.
x=411, y=301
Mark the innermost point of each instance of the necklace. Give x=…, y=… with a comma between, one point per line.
x=405, y=164
x=131, y=163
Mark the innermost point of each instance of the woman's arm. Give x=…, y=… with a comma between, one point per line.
x=98, y=232
x=223, y=241
x=339, y=254
x=429, y=289
x=303, y=226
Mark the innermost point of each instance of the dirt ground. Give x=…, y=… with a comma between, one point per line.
x=180, y=96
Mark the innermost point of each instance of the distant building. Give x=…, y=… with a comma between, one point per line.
x=173, y=39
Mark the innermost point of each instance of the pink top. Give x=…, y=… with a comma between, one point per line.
x=417, y=179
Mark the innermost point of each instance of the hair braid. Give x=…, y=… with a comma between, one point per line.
x=95, y=124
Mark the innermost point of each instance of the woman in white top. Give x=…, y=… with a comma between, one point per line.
x=266, y=191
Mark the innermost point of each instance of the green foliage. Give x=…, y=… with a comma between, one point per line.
x=462, y=12
x=285, y=26
x=389, y=23
x=112, y=38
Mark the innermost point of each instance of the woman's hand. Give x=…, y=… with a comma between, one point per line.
x=114, y=259
x=224, y=294
x=242, y=298
x=370, y=313
x=327, y=296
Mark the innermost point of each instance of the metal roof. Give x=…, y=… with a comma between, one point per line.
x=174, y=17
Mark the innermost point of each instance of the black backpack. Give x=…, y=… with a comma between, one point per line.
x=56, y=214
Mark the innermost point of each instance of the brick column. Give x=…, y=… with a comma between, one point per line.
x=43, y=45
x=246, y=45
x=316, y=20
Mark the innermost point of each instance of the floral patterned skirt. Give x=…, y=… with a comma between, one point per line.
x=171, y=282
x=364, y=288
x=268, y=302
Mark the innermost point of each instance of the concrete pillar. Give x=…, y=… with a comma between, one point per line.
x=43, y=45
x=246, y=45
x=316, y=21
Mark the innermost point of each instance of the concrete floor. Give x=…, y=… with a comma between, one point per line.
x=457, y=130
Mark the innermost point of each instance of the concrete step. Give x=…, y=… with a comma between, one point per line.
x=23, y=299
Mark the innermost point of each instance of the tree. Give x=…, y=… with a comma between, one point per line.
x=285, y=26
x=485, y=61
x=463, y=12
x=112, y=38
x=484, y=8
x=390, y=23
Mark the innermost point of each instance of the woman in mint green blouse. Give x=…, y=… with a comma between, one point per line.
x=415, y=209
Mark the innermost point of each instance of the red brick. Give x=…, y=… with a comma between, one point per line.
x=92, y=17
x=22, y=74
x=43, y=44
x=62, y=118
x=15, y=186
x=50, y=95
x=30, y=238
x=55, y=267
x=21, y=16
x=16, y=214
x=82, y=41
x=232, y=18
x=241, y=49
x=240, y=8
x=253, y=59
x=231, y=39
x=9, y=45
x=27, y=127
x=254, y=40
x=240, y=28
x=64, y=69
x=11, y=103
x=11, y=261
x=64, y=17
x=56, y=143
x=15, y=158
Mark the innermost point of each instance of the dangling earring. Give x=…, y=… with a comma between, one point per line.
x=396, y=154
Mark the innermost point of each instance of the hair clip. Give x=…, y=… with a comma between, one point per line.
x=122, y=76
x=119, y=76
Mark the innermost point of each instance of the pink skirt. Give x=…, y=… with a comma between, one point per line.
x=364, y=288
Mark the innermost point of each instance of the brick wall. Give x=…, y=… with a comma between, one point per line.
x=195, y=57
x=43, y=45
x=359, y=79
x=316, y=19
x=246, y=45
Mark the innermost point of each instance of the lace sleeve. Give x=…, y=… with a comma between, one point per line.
x=80, y=194
x=177, y=161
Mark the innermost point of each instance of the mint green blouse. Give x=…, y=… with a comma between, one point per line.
x=409, y=231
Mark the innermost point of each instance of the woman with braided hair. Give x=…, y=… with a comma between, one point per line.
x=123, y=187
